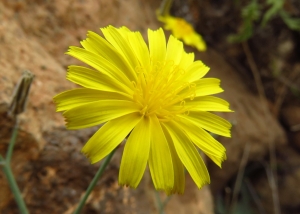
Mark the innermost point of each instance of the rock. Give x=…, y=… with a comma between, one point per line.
x=192, y=201
x=23, y=53
x=58, y=25
x=61, y=174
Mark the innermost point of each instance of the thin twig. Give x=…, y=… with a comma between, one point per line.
x=239, y=178
x=255, y=72
x=255, y=197
x=281, y=93
x=286, y=83
x=273, y=161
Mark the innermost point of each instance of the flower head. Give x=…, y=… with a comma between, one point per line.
x=183, y=30
x=154, y=92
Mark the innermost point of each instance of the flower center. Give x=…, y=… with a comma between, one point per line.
x=158, y=89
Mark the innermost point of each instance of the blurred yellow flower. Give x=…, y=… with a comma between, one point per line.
x=184, y=31
x=157, y=93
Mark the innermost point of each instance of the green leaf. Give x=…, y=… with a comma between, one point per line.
x=276, y=6
x=250, y=13
x=292, y=23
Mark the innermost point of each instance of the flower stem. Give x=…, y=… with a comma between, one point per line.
x=161, y=205
x=12, y=142
x=165, y=6
x=94, y=182
x=5, y=164
x=14, y=187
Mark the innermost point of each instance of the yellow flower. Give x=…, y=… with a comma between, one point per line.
x=183, y=30
x=155, y=93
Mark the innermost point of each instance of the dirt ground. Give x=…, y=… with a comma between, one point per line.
x=260, y=75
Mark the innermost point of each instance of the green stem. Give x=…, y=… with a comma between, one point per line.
x=94, y=182
x=5, y=164
x=161, y=205
x=12, y=142
x=165, y=7
x=2, y=163
x=13, y=186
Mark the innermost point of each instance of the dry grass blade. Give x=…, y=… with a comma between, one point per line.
x=255, y=197
x=239, y=178
x=273, y=161
x=286, y=83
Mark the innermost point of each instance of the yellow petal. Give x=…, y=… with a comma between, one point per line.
x=109, y=136
x=208, y=103
x=79, y=96
x=179, y=176
x=101, y=64
x=211, y=147
x=196, y=41
x=95, y=80
x=118, y=38
x=140, y=49
x=170, y=22
x=207, y=86
x=136, y=154
x=195, y=71
x=188, y=154
x=157, y=46
x=211, y=122
x=201, y=87
x=186, y=60
x=98, y=112
x=174, y=50
x=183, y=30
x=96, y=44
x=160, y=159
